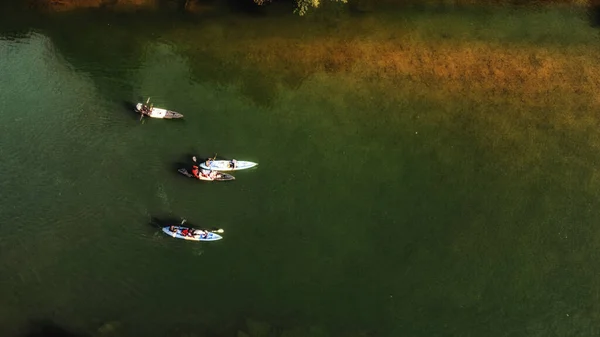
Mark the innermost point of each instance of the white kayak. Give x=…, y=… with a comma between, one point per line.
x=200, y=235
x=157, y=112
x=228, y=165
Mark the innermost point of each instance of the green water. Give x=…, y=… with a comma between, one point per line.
x=370, y=213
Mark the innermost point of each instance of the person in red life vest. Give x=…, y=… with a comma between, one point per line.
x=195, y=171
x=184, y=232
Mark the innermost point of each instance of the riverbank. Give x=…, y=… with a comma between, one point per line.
x=356, y=6
x=118, y=6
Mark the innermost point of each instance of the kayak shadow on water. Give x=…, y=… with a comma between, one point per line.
x=45, y=328
x=186, y=161
x=130, y=107
x=179, y=165
x=159, y=223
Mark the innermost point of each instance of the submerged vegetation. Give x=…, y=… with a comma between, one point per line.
x=540, y=76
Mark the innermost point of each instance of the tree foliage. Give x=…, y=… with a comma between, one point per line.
x=303, y=6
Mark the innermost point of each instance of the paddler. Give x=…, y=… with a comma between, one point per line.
x=232, y=164
x=208, y=162
x=206, y=173
x=196, y=171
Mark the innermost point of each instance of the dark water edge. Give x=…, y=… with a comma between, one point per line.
x=80, y=53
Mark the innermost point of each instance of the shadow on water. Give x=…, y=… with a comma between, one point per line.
x=251, y=9
x=245, y=7
x=125, y=36
x=594, y=14
x=178, y=165
x=123, y=42
x=45, y=328
x=129, y=107
x=184, y=161
x=160, y=222
x=15, y=18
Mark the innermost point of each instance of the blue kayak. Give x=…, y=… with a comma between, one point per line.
x=198, y=234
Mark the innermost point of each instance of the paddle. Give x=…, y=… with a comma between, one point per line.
x=142, y=116
x=215, y=157
x=195, y=160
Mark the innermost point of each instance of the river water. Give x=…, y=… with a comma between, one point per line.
x=379, y=208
